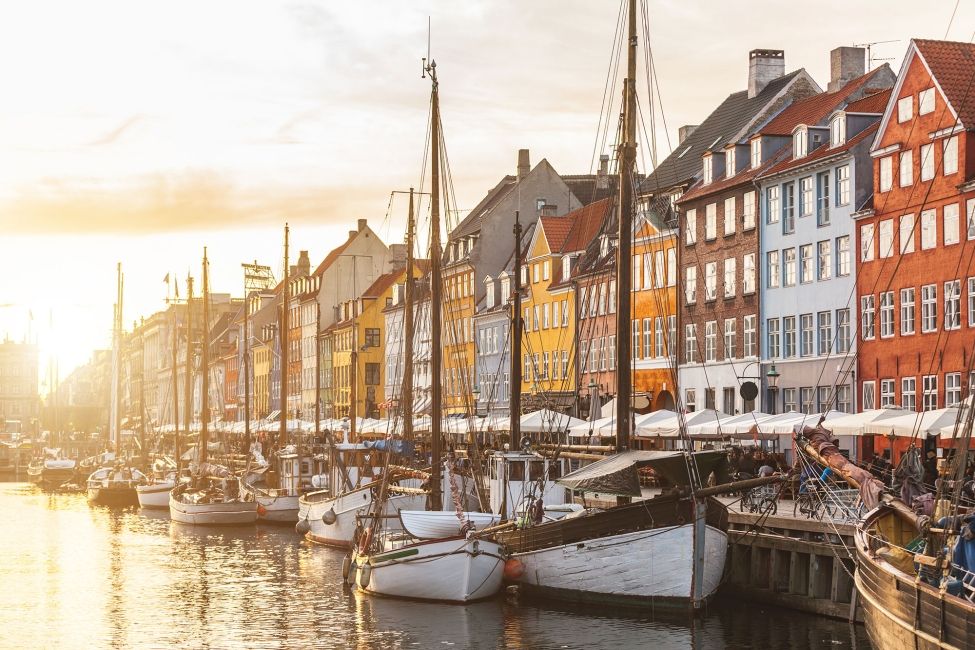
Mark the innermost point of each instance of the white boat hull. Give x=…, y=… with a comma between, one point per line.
x=155, y=496
x=425, y=524
x=230, y=513
x=454, y=570
x=655, y=566
x=346, y=507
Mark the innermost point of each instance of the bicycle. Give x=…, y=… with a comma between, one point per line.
x=761, y=499
x=812, y=503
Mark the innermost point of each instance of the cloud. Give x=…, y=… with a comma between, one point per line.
x=112, y=136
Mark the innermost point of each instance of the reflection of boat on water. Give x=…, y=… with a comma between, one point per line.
x=480, y=624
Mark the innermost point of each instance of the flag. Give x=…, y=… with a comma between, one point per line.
x=166, y=279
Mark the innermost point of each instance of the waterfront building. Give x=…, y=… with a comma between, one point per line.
x=492, y=321
x=19, y=398
x=393, y=314
x=915, y=239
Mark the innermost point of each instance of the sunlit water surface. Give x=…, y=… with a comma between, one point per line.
x=74, y=576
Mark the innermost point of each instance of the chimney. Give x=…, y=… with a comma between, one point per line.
x=763, y=67
x=524, y=163
x=845, y=64
x=362, y=224
x=602, y=176
x=304, y=264
x=685, y=131
x=397, y=257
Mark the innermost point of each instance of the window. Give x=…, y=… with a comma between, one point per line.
x=690, y=285
x=748, y=211
x=756, y=152
x=807, y=399
x=602, y=353
x=729, y=162
x=925, y=101
x=799, y=143
x=825, y=323
x=536, y=322
x=806, y=335
x=671, y=267
x=886, y=314
x=671, y=335
x=729, y=215
x=789, y=401
x=907, y=311
x=842, y=331
x=709, y=398
x=909, y=393
x=788, y=337
x=971, y=302
x=711, y=221
x=658, y=335
x=927, y=162
x=929, y=308
x=843, y=256
x=906, y=164
x=952, y=388
x=730, y=337
x=822, y=204
x=546, y=269
x=788, y=208
x=748, y=279
x=822, y=398
x=729, y=400
x=690, y=226
x=886, y=393
x=707, y=169
x=729, y=277
x=535, y=272
x=372, y=337
x=545, y=362
x=886, y=173
x=905, y=108
x=584, y=356
x=772, y=268
x=866, y=242
x=773, y=338
x=658, y=268
x=612, y=296
x=710, y=280
x=372, y=374
x=950, y=224
x=869, y=397
x=748, y=323
x=907, y=233
x=953, y=305
x=602, y=303
x=772, y=204
x=824, y=260
x=929, y=384
x=843, y=401
x=635, y=343
x=842, y=185
x=711, y=341
x=690, y=343
x=565, y=313
x=611, y=343
x=806, y=196
x=546, y=316
x=867, y=308
x=805, y=264
x=647, y=338
x=886, y=237
x=929, y=230
x=837, y=130
x=690, y=400
x=949, y=163
x=789, y=267
x=970, y=218
x=565, y=364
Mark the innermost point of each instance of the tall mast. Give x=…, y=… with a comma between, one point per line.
x=175, y=392
x=436, y=280
x=247, y=370
x=406, y=391
x=188, y=374
x=117, y=365
x=284, y=339
x=514, y=400
x=205, y=362
x=627, y=163
x=142, y=401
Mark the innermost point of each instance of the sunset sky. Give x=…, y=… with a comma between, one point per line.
x=140, y=132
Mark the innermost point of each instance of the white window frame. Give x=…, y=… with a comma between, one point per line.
x=949, y=163
x=730, y=277
x=886, y=173
x=927, y=161
x=748, y=211
x=886, y=314
x=748, y=277
x=748, y=327
x=869, y=395
x=925, y=101
x=868, y=315
x=905, y=109
x=886, y=238
x=909, y=393
x=773, y=270
x=906, y=233
x=867, y=245
x=929, y=308
x=711, y=222
x=756, y=153
x=729, y=216
x=824, y=260
x=906, y=168
x=773, y=337
x=929, y=229
x=843, y=256
x=789, y=267
x=908, y=311
x=952, y=305
x=710, y=281
x=730, y=338
x=949, y=224
x=690, y=226
x=690, y=285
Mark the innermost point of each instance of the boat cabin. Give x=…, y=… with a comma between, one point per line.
x=517, y=475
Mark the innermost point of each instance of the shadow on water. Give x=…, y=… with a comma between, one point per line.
x=94, y=577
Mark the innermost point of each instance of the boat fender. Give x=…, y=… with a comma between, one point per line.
x=365, y=540
x=329, y=517
x=365, y=572
x=346, y=566
x=513, y=569
x=261, y=510
x=477, y=548
x=302, y=527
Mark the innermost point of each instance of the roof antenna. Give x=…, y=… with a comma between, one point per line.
x=423, y=74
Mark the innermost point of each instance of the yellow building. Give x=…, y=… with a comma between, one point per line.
x=458, y=336
x=549, y=378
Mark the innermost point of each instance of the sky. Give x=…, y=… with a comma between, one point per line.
x=140, y=132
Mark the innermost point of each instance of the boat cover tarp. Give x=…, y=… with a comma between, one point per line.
x=619, y=474
x=395, y=445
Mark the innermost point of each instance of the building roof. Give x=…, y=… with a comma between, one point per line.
x=820, y=153
x=953, y=65
x=382, y=283
x=873, y=103
x=729, y=118
x=586, y=223
x=334, y=255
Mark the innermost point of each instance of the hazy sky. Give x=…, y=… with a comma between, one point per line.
x=138, y=132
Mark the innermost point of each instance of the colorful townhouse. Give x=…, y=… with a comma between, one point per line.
x=395, y=405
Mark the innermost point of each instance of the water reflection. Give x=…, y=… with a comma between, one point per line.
x=77, y=576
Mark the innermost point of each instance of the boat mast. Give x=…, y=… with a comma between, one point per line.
x=117, y=369
x=406, y=390
x=188, y=375
x=175, y=392
x=514, y=400
x=285, y=304
x=247, y=372
x=142, y=403
x=627, y=164
x=436, y=279
x=205, y=362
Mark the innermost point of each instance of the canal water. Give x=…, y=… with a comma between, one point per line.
x=75, y=576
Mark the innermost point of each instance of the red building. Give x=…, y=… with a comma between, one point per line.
x=915, y=274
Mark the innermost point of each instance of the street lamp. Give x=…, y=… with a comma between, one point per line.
x=773, y=385
x=476, y=392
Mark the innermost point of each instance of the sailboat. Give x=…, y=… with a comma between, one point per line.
x=115, y=485
x=459, y=566
x=212, y=496
x=51, y=470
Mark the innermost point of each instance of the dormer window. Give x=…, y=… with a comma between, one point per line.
x=539, y=204
x=800, y=140
x=837, y=130
x=489, y=292
x=729, y=162
x=505, y=288
x=707, y=169
x=566, y=267
x=756, y=153
x=603, y=245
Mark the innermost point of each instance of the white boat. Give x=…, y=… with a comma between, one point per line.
x=274, y=505
x=155, y=495
x=115, y=486
x=332, y=521
x=52, y=471
x=453, y=570
x=425, y=524
x=210, y=506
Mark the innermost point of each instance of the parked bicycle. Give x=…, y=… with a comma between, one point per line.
x=762, y=499
x=813, y=501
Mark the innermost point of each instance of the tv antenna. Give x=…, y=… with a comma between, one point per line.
x=870, y=57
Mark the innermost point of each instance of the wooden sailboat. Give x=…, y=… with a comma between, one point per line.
x=115, y=484
x=212, y=496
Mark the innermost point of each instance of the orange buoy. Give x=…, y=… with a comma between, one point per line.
x=513, y=569
x=261, y=510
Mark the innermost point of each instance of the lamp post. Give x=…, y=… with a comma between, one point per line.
x=476, y=392
x=773, y=386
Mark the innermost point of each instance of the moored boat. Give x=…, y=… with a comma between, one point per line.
x=210, y=505
x=115, y=486
x=51, y=472
x=425, y=524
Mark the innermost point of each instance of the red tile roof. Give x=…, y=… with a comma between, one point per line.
x=334, y=255
x=382, y=283
x=556, y=229
x=874, y=103
x=820, y=153
x=953, y=66
x=586, y=222
x=815, y=109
